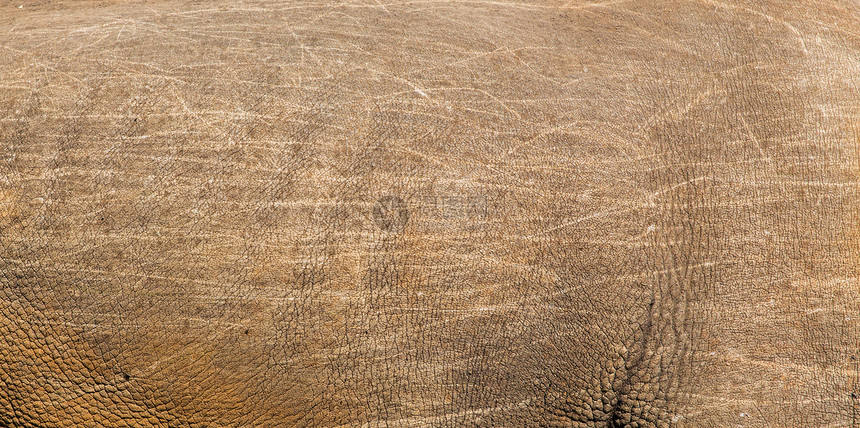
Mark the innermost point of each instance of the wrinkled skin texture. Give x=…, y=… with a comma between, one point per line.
x=429, y=214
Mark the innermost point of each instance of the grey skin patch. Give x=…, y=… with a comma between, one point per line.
x=390, y=213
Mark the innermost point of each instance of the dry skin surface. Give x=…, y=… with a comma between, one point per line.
x=429, y=213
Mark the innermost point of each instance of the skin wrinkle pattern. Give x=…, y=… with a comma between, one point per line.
x=429, y=213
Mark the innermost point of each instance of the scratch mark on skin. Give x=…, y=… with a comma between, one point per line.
x=769, y=18
x=606, y=4
x=478, y=309
x=119, y=33
x=653, y=196
x=669, y=271
x=412, y=85
x=96, y=42
x=679, y=111
x=151, y=368
x=422, y=93
x=780, y=366
x=752, y=136
x=485, y=54
x=489, y=95
x=442, y=418
x=383, y=7
x=666, y=40
x=44, y=66
x=599, y=214
x=720, y=401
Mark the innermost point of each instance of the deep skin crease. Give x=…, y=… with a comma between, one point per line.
x=410, y=214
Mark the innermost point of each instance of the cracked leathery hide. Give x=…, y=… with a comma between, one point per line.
x=429, y=214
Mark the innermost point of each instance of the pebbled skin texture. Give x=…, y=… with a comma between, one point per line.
x=427, y=214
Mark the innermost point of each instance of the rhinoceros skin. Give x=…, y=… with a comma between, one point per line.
x=429, y=213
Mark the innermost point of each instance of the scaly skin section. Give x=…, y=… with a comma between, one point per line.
x=429, y=214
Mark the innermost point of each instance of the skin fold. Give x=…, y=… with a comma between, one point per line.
x=429, y=213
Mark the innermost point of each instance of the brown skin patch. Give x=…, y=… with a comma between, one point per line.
x=429, y=214
x=10, y=211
